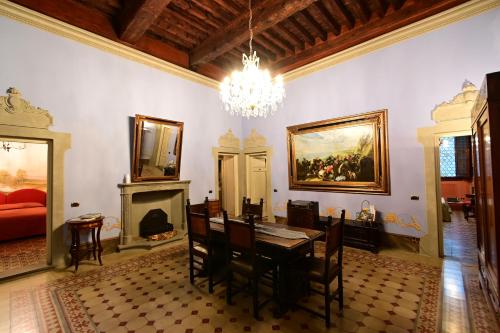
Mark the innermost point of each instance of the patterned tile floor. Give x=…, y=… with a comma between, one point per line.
x=152, y=293
x=19, y=254
x=452, y=290
x=459, y=237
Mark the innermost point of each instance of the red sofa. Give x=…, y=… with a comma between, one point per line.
x=23, y=213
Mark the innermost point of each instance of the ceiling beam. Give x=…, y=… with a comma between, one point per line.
x=341, y=11
x=265, y=15
x=359, y=10
x=316, y=26
x=278, y=40
x=380, y=7
x=408, y=14
x=334, y=26
x=284, y=31
x=137, y=16
x=307, y=35
x=397, y=3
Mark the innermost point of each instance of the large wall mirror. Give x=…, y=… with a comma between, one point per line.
x=157, y=149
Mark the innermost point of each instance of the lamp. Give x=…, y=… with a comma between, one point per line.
x=10, y=145
x=252, y=92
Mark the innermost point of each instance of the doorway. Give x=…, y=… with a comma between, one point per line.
x=23, y=205
x=228, y=183
x=457, y=198
x=257, y=179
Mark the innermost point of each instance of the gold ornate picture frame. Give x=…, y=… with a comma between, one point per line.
x=348, y=154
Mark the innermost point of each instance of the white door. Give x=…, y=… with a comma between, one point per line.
x=257, y=179
x=227, y=174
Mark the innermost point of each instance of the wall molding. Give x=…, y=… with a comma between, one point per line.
x=30, y=17
x=44, y=22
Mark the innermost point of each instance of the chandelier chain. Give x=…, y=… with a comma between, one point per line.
x=250, y=26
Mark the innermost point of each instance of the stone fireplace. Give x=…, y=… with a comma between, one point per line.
x=140, y=198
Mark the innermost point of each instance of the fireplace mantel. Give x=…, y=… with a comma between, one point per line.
x=137, y=198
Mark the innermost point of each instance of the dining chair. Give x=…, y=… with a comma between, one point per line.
x=200, y=245
x=250, y=208
x=324, y=270
x=304, y=214
x=243, y=259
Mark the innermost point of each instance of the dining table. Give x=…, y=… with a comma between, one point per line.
x=283, y=244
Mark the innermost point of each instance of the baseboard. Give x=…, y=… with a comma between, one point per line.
x=403, y=242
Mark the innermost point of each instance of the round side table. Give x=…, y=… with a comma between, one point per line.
x=93, y=225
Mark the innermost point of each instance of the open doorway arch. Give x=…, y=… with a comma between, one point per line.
x=19, y=119
x=452, y=118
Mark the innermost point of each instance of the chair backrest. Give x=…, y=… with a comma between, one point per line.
x=240, y=236
x=213, y=207
x=198, y=208
x=248, y=208
x=303, y=214
x=198, y=225
x=334, y=240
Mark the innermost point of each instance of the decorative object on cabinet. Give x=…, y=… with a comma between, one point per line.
x=348, y=154
x=486, y=159
x=157, y=149
x=367, y=213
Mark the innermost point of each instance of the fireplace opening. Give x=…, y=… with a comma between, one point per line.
x=155, y=222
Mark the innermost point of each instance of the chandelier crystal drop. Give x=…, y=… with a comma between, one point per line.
x=252, y=92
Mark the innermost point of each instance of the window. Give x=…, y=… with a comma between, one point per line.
x=455, y=157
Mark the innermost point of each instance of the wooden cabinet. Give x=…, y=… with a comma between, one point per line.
x=486, y=158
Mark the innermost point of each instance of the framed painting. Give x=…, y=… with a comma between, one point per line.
x=348, y=154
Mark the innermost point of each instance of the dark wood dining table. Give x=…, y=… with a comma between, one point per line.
x=282, y=250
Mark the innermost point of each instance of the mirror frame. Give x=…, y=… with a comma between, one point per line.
x=139, y=124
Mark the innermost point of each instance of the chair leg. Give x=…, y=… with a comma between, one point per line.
x=191, y=268
x=229, y=292
x=341, y=293
x=275, y=283
x=255, y=289
x=210, y=276
x=327, y=304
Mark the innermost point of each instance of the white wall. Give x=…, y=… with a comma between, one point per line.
x=91, y=94
x=408, y=79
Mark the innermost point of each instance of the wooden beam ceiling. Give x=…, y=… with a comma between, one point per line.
x=137, y=17
x=265, y=15
x=209, y=36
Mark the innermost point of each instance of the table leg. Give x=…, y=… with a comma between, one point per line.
x=77, y=249
x=99, y=243
x=282, y=285
x=72, y=247
x=94, y=245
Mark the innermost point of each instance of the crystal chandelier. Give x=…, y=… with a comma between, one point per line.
x=252, y=92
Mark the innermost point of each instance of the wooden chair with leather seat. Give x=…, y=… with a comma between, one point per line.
x=213, y=207
x=243, y=259
x=324, y=270
x=200, y=245
x=250, y=208
x=304, y=214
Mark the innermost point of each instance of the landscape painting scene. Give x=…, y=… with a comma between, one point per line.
x=342, y=154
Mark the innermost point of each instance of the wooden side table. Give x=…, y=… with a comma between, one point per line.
x=75, y=226
x=361, y=235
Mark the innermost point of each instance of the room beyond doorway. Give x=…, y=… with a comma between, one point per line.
x=23, y=205
x=458, y=199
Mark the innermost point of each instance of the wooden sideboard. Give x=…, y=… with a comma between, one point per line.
x=361, y=235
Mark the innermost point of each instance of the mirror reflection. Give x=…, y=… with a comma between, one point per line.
x=158, y=147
